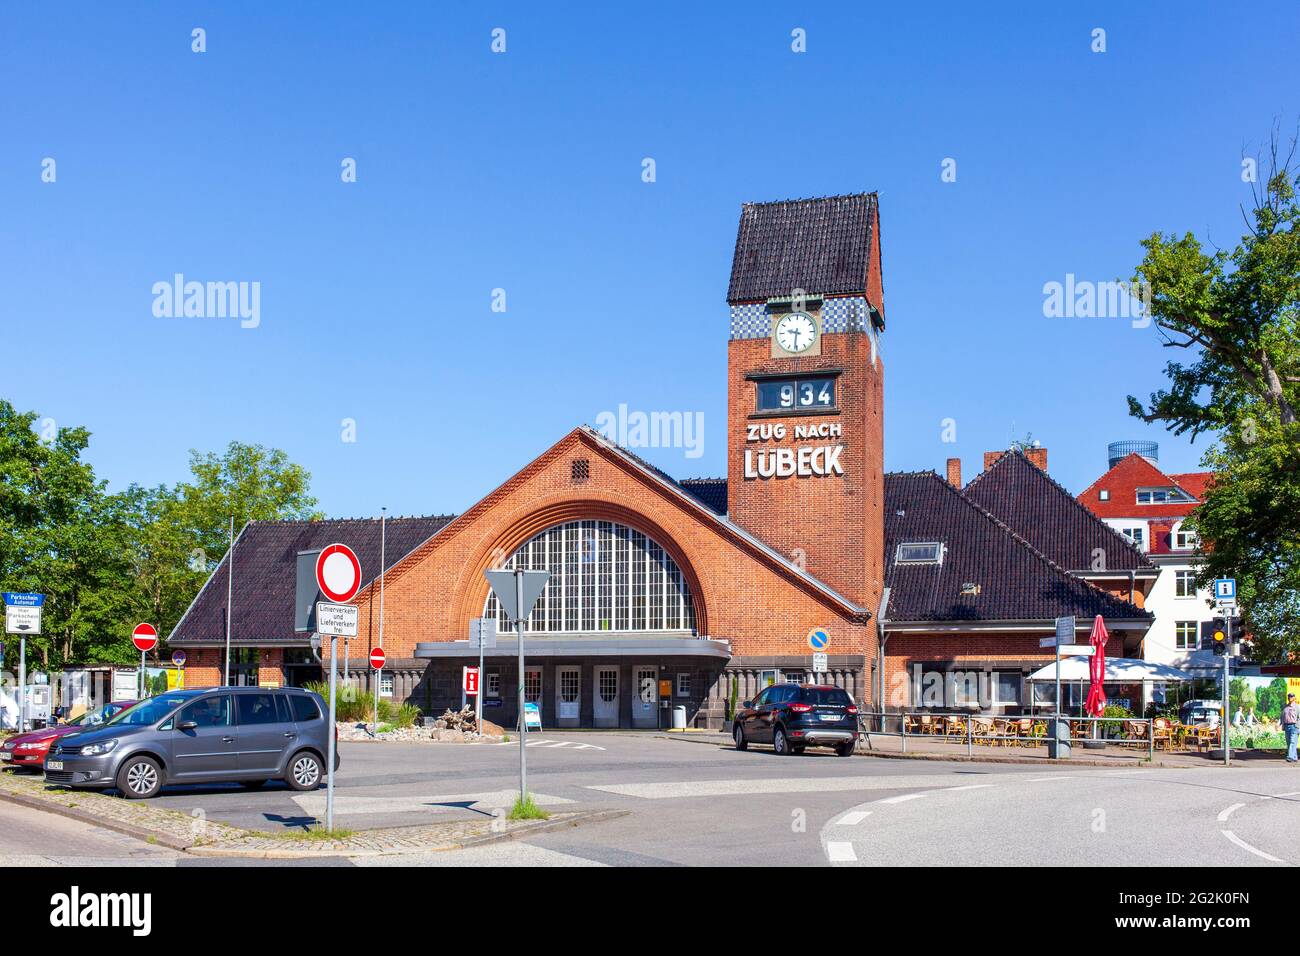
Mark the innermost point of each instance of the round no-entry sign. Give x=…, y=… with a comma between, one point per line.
x=144, y=637
x=338, y=573
x=377, y=658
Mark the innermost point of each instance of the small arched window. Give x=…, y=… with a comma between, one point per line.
x=604, y=577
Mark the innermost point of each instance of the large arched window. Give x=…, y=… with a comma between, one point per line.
x=604, y=577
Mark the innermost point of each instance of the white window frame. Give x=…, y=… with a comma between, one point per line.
x=1137, y=534
x=684, y=677
x=1103, y=495
x=936, y=545
x=1186, y=540
x=1179, y=627
x=492, y=685
x=387, y=684
x=1190, y=578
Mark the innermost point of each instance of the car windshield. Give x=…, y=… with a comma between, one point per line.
x=150, y=711
x=93, y=718
x=831, y=696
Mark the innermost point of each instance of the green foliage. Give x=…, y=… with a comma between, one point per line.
x=526, y=809
x=106, y=561
x=407, y=715
x=1237, y=314
x=1114, y=712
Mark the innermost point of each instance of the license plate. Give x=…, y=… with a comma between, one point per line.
x=830, y=716
x=54, y=765
x=6, y=756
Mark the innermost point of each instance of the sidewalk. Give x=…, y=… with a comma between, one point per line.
x=927, y=748
x=202, y=837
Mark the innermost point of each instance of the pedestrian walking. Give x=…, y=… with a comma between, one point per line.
x=1291, y=726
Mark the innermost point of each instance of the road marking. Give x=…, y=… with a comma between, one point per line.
x=1059, y=776
x=1290, y=793
x=902, y=798
x=971, y=786
x=852, y=819
x=724, y=788
x=1223, y=816
x=1232, y=837
x=345, y=804
x=839, y=852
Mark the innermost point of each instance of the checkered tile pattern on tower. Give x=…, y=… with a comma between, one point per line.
x=839, y=314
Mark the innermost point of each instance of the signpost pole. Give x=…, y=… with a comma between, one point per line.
x=22, y=684
x=379, y=673
x=478, y=698
x=142, y=687
x=1223, y=720
x=523, y=722
x=230, y=595
x=329, y=789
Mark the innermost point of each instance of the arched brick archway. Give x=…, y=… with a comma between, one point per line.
x=472, y=590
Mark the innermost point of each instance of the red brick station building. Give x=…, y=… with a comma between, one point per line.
x=669, y=592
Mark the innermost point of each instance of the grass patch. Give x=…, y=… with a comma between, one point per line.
x=384, y=729
x=315, y=833
x=526, y=809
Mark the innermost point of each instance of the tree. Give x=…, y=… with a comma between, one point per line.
x=1238, y=313
x=62, y=535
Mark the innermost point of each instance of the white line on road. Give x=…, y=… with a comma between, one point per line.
x=1059, y=776
x=1291, y=793
x=839, y=852
x=1248, y=848
x=742, y=788
x=852, y=819
x=1223, y=815
x=903, y=798
x=971, y=786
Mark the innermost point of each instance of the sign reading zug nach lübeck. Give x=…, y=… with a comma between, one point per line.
x=804, y=461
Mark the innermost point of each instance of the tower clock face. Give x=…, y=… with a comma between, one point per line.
x=796, y=332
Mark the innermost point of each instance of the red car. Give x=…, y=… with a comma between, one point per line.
x=29, y=750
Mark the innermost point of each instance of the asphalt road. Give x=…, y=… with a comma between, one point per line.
x=694, y=803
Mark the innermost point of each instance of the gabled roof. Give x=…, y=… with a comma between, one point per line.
x=1133, y=472
x=265, y=563
x=1033, y=505
x=1014, y=582
x=822, y=246
x=711, y=491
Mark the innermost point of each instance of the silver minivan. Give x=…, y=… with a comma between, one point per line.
x=247, y=735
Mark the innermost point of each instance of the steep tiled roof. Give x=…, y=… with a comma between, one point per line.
x=266, y=555
x=711, y=491
x=1131, y=473
x=822, y=246
x=1013, y=581
x=1030, y=502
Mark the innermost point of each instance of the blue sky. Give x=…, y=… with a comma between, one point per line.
x=522, y=171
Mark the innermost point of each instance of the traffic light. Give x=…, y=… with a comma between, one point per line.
x=1214, y=637
x=1237, y=631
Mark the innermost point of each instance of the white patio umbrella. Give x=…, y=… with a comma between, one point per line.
x=1119, y=670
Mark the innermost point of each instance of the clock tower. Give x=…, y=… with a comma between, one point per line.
x=805, y=415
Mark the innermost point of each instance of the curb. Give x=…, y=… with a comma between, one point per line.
x=152, y=837
x=577, y=818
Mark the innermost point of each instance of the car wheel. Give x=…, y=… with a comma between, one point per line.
x=253, y=784
x=780, y=743
x=738, y=734
x=305, y=771
x=846, y=750
x=139, y=778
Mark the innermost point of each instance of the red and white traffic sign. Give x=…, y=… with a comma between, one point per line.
x=144, y=637
x=338, y=573
x=377, y=658
x=469, y=681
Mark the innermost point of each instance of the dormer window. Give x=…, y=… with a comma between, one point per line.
x=1186, y=540
x=1162, y=496
x=920, y=552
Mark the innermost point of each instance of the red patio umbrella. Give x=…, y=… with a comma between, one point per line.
x=1097, y=669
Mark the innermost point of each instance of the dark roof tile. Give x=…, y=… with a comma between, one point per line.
x=822, y=246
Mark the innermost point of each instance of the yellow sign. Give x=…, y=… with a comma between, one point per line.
x=665, y=688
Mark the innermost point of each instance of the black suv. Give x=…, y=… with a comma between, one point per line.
x=791, y=717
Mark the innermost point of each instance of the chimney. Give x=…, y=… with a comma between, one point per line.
x=954, y=472
x=1036, y=454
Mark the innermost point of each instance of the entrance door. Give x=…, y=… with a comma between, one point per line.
x=568, y=701
x=533, y=688
x=645, y=700
x=606, y=697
